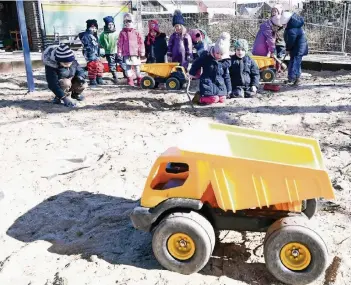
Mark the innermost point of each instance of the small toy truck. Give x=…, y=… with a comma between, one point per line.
x=266, y=66
x=239, y=179
x=173, y=74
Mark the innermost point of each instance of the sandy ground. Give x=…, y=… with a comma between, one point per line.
x=70, y=178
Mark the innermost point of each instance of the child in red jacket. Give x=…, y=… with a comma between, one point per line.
x=131, y=47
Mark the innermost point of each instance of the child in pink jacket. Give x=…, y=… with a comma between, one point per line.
x=131, y=47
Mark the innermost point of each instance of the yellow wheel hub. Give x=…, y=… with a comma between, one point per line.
x=295, y=256
x=172, y=84
x=268, y=75
x=181, y=246
x=147, y=82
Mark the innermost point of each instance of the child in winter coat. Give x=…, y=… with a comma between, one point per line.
x=108, y=41
x=244, y=72
x=265, y=40
x=155, y=44
x=296, y=43
x=279, y=39
x=64, y=75
x=215, y=79
x=131, y=47
x=91, y=53
x=180, y=45
x=201, y=42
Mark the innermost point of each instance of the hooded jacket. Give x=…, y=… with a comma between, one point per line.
x=180, y=48
x=90, y=43
x=295, y=37
x=244, y=72
x=130, y=43
x=265, y=40
x=155, y=52
x=215, y=78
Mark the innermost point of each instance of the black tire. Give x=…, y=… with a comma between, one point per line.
x=173, y=83
x=147, y=82
x=310, y=207
x=195, y=226
x=293, y=233
x=267, y=75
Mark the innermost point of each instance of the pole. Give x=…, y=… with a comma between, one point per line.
x=25, y=44
x=42, y=25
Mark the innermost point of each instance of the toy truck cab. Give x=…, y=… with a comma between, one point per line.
x=231, y=178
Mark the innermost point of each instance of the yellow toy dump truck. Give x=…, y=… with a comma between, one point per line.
x=266, y=66
x=173, y=74
x=233, y=178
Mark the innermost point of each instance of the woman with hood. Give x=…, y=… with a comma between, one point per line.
x=180, y=45
x=131, y=47
x=155, y=44
x=295, y=41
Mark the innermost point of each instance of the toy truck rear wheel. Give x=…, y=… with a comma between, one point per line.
x=183, y=242
x=294, y=253
x=267, y=75
x=173, y=83
x=147, y=82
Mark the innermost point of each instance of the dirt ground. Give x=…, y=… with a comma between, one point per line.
x=70, y=178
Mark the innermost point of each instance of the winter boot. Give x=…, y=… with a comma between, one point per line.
x=289, y=81
x=92, y=83
x=130, y=81
x=139, y=81
x=56, y=100
x=78, y=97
x=297, y=82
x=114, y=76
x=99, y=81
x=68, y=103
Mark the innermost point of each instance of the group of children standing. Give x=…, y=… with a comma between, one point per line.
x=221, y=75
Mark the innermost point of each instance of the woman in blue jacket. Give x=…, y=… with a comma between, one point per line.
x=296, y=43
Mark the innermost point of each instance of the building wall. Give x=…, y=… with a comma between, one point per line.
x=33, y=24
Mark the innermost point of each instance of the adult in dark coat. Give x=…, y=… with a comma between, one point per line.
x=296, y=43
x=65, y=77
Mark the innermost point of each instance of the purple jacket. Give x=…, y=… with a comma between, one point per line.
x=265, y=40
x=180, y=48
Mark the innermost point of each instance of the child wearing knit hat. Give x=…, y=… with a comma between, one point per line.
x=91, y=53
x=244, y=72
x=279, y=33
x=180, y=45
x=131, y=47
x=108, y=41
x=215, y=80
x=296, y=43
x=155, y=44
x=64, y=75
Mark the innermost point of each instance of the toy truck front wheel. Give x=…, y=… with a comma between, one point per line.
x=267, y=75
x=294, y=253
x=183, y=242
x=173, y=83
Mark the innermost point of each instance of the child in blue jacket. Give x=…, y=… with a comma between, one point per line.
x=215, y=79
x=244, y=72
x=296, y=43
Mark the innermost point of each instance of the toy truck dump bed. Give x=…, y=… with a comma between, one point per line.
x=246, y=169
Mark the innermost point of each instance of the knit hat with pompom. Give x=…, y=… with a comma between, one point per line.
x=222, y=45
x=153, y=25
x=178, y=18
x=242, y=44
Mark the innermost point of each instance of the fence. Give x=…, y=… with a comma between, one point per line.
x=327, y=24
